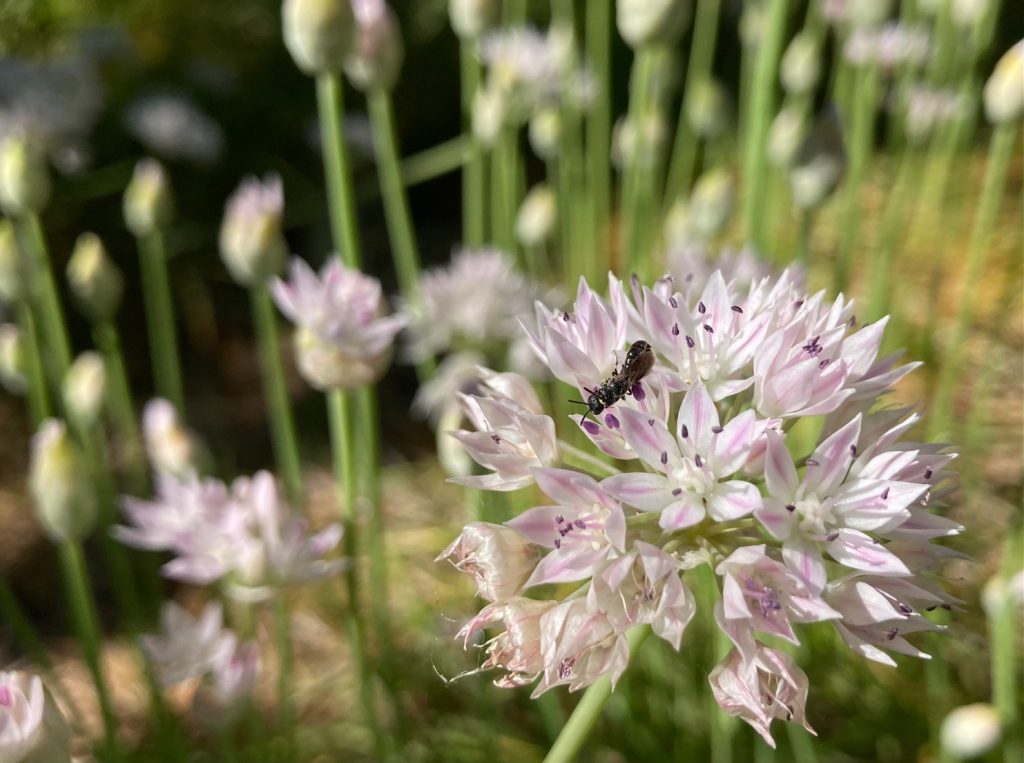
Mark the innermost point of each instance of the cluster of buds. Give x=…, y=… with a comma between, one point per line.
x=527, y=72
x=343, y=337
x=242, y=535
x=695, y=468
x=201, y=649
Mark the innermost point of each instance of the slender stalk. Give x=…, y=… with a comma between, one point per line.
x=285, y=664
x=163, y=337
x=38, y=398
x=599, y=127
x=861, y=133
x=44, y=292
x=803, y=241
x=83, y=608
x=119, y=401
x=702, y=51
x=404, y=248
x=571, y=452
x=474, y=185
x=282, y=421
x=588, y=710
x=999, y=156
x=1003, y=630
x=436, y=161
x=340, y=195
x=503, y=190
x=762, y=105
x=632, y=192
x=339, y=416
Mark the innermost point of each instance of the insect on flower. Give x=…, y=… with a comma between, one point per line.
x=638, y=363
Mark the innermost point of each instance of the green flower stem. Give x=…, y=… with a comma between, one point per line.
x=571, y=220
x=474, y=181
x=803, y=241
x=762, y=106
x=404, y=248
x=83, y=608
x=1000, y=153
x=584, y=459
x=285, y=665
x=163, y=335
x=339, y=409
x=433, y=162
x=632, y=197
x=282, y=422
x=38, y=398
x=1004, y=627
x=588, y=709
x=880, y=265
x=599, y=127
x=504, y=158
x=862, y=130
x=340, y=195
x=45, y=296
x=121, y=407
x=684, y=152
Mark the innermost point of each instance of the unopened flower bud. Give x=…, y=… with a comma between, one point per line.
x=10, y=264
x=148, y=202
x=170, y=446
x=800, y=69
x=1004, y=91
x=470, y=18
x=705, y=214
x=377, y=52
x=24, y=176
x=970, y=731
x=498, y=557
x=12, y=359
x=537, y=215
x=326, y=366
x=639, y=140
x=59, y=483
x=707, y=108
x=85, y=388
x=785, y=136
x=94, y=279
x=488, y=114
x=819, y=163
x=969, y=13
x=251, y=243
x=34, y=730
x=869, y=13
x=318, y=33
x=642, y=22
x=544, y=131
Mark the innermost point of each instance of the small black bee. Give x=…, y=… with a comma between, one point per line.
x=638, y=363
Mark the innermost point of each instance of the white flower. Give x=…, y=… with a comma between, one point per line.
x=32, y=729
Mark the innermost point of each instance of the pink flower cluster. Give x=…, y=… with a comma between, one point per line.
x=698, y=464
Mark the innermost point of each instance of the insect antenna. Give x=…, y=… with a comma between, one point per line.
x=584, y=416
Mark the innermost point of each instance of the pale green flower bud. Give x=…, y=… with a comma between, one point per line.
x=1004, y=91
x=544, y=132
x=819, y=163
x=148, y=202
x=12, y=359
x=868, y=13
x=787, y=132
x=251, y=243
x=59, y=483
x=639, y=141
x=642, y=22
x=707, y=109
x=537, y=216
x=970, y=731
x=969, y=13
x=711, y=204
x=94, y=279
x=800, y=68
x=10, y=264
x=24, y=176
x=488, y=114
x=85, y=388
x=318, y=33
x=377, y=52
x=471, y=18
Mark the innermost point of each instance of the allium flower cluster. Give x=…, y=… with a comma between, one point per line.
x=696, y=464
x=202, y=648
x=242, y=534
x=343, y=336
x=527, y=71
x=888, y=47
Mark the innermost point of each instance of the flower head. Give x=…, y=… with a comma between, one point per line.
x=499, y=559
x=343, y=335
x=251, y=243
x=376, y=56
x=172, y=447
x=63, y=496
x=32, y=728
